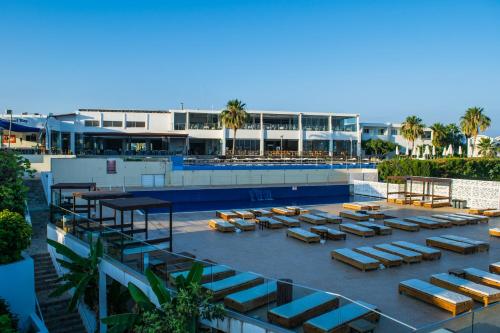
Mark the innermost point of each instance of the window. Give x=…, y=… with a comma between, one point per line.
x=315, y=123
x=91, y=123
x=136, y=124
x=112, y=123
x=153, y=180
x=427, y=135
x=381, y=131
x=344, y=124
x=179, y=121
x=366, y=130
x=394, y=132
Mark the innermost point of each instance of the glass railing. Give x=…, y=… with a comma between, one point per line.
x=205, y=126
x=247, y=296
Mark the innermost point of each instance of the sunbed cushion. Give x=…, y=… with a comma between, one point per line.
x=464, y=239
x=344, y=314
x=483, y=274
x=230, y=281
x=356, y=256
x=248, y=295
x=312, y=217
x=206, y=271
x=435, y=291
x=356, y=227
x=302, y=232
x=397, y=249
x=302, y=304
x=222, y=223
x=451, y=242
x=459, y=282
x=416, y=247
x=399, y=221
x=378, y=253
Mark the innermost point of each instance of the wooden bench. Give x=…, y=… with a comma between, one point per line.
x=220, y=289
x=360, y=206
x=354, y=216
x=494, y=232
x=423, y=223
x=451, y=245
x=253, y=298
x=298, y=210
x=328, y=233
x=283, y=211
x=492, y=213
x=336, y=321
x=244, y=214
x=261, y=212
x=407, y=255
x=303, y=235
x=242, y=224
x=495, y=267
x=356, y=230
x=442, y=298
x=455, y=220
x=477, y=292
x=268, y=222
x=379, y=229
x=428, y=253
x=442, y=223
x=298, y=311
x=221, y=225
x=481, y=246
x=476, y=211
x=401, y=224
x=226, y=214
x=313, y=219
x=288, y=221
x=387, y=259
x=480, y=218
x=373, y=214
x=470, y=219
x=436, y=204
x=483, y=277
x=330, y=218
x=355, y=259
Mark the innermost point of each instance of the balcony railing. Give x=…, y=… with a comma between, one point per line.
x=205, y=126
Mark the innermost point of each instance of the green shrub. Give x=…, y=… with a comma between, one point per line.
x=461, y=168
x=8, y=320
x=12, y=189
x=15, y=236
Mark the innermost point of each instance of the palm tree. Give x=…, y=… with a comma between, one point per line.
x=487, y=148
x=472, y=123
x=234, y=117
x=439, y=135
x=411, y=129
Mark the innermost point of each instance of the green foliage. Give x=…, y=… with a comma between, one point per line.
x=8, y=320
x=12, y=189
x=412, y=128
x=15, y=236
x=378, y=147
x=178, y=313
x=461, y=168
x=487, y=148
x=439, y=135
x=83, y=273
x=234, y=117
x=473, y=122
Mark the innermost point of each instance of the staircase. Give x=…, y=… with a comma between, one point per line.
x=54, y=309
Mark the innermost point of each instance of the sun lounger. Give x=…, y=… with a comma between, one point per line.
x=221, y=225
x=302, y=309
x=283, y=211
x=268, y=222
x=303, y=235
x=243, y=224
x=428, y=253
x=451, y=245
x=373, y=214
x=423, y=223
x=226, y=214
x=492, y=213
x=253, y=298
x=401, y=224
x=220, y=289
x=328, y=233
x=210, y=273
x=244, y=214
x=378, y=228
x=336, y=321
x=388, y=259
x=452, y=219
x=436, y=204
x=481, y=246
x=442, y=223
x=477, y=292
x=354, y=216
x=330, y=218
x=471, y=219
x=495, y=267
x=288, y=221
x=476, y=211
x=313, y=219
x=355, y=259
x=407, y=255
x=483, y=277
x=356, y=229
x=480, y=218
x=495, y=232
x=298, y=210
x=442, y=298
x=360, y=206
x=261, y=212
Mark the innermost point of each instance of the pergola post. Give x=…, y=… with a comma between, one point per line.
x=103, y=301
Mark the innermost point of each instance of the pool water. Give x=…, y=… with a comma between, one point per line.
x=264, y=166
x=188, y=200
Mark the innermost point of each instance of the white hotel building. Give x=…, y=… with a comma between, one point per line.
x=199, y=132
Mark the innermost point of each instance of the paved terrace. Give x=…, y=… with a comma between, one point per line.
x=272, y=254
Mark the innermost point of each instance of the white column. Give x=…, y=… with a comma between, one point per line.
x=262, y=135
x=48, y=137
x=223, y=140
x=358, y=143
x=72, y=145
x=301, y=136
x=330, y=131
x=148, y=119
x=101, y=120
x=103, y=301
x=187, y=120
x=124, y=124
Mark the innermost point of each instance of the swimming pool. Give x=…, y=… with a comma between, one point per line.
x=186, y=200
x=264, y=166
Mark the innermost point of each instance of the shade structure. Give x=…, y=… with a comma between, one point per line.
x=444, y=152
x=397, y=150
x=450, y=150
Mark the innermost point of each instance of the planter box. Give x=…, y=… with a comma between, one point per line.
x=17, y=287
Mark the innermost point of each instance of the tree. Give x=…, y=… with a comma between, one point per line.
x=487, y=148
x=13, y=192
x=473, y=122
x=439, y=135
x=378, y=147
x=15, y=236
x=411, y=129
x=454, y=136
x=234, y=117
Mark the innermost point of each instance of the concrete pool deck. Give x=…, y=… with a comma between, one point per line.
x=272, y=254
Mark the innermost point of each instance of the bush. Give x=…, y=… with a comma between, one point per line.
x=8, y=320
x=461, y=168
x=12, y=189
x=15, y=236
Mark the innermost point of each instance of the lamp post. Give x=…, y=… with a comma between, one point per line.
x=9, y=112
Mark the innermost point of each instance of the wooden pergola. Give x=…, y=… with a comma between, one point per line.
x=95, y=196
x=59, y=187
x=426, y=196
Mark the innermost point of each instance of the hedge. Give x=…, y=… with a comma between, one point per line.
x=461, y=168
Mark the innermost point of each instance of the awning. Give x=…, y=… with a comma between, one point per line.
x=4, y=124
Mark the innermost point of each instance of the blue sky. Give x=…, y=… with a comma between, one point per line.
x=382, y=59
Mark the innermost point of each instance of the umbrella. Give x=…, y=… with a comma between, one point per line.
x=433, y=151
x=407, y=151
x=397, y=150
x=444, y=152
x=417, y=152
x=450, y=150
x=427, y=151
x=460, y=150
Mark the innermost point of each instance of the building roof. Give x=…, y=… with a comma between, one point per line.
x=124, y=204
